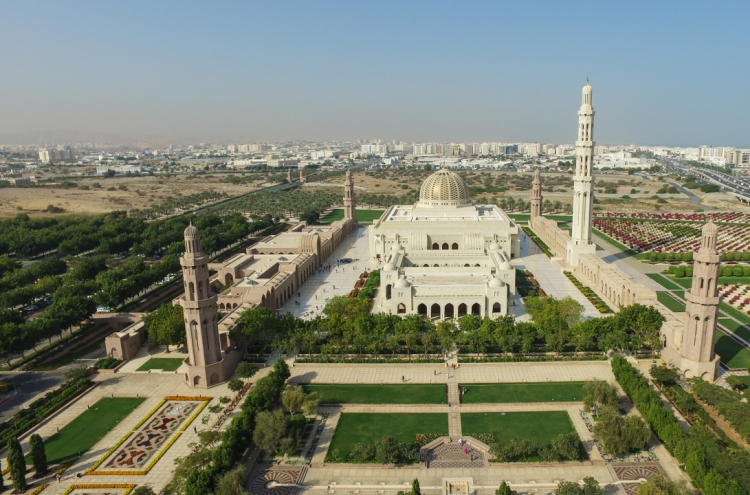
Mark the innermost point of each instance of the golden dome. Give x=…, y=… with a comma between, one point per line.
x=443, y=188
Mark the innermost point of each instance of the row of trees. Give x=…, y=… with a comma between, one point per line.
x=348, y=327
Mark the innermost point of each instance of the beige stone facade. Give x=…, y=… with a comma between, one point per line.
x=445, y=257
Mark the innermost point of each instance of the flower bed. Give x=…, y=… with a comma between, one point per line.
x=590, y=294
x=528, y=285
x=91, y=471
x=128, y=487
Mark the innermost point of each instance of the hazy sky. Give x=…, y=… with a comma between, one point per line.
x=673, y=73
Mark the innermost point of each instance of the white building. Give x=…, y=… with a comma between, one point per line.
x=444, y=256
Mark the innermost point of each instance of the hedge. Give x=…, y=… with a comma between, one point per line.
x=714, y=465
x=238, y=436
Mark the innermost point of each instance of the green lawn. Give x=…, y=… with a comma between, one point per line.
x=670, y=302
x=741, y=330
x=364, y=217
x=732, y=354
x=87, y=429
x=663, y=281
x=735, y=313
x=379, y=394
x=485, y=393
x=686, y=282
x=354, y=428
x=166, y=364
x=540, y=426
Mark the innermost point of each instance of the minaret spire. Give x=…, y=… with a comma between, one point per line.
x=536, y=196
x=350, y=204
x=583, y=184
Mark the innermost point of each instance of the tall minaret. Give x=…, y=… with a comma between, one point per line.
x=697, y=348
x=536, y=196
x=302, y=178
x=583, y=185
x=350, y=205
x=199, y=308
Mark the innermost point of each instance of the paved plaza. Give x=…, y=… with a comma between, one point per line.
x=338, y=281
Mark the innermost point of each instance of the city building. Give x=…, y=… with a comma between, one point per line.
x=56, y=156
x=444, y=256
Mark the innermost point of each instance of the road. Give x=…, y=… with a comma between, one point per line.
x=736, y=186
x=28, y=385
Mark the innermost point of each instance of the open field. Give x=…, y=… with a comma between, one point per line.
x=540, y=426
x=166, y=364
x=732, y=354
x=379, y=394
x=87, y=429
x=120, y=193
x=354, y=428
x=364, y=217
x=482, y=393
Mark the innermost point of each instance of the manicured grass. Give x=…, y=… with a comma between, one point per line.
x=663, y=281
x=363, y=216
x=670, y=302
x=741, y=330
x=732, y=354
x=87, y=429
x=540, y=426
x=379, y=394
x=166, y=364
x=354, y=428
x=485, y=393
x=687, y=282
x=738, y=315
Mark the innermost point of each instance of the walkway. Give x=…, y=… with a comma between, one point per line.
x=550, y=275
x=324, y=284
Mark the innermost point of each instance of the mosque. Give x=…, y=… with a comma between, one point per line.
x=444, y=256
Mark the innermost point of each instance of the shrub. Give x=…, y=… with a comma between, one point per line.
x=38, y=456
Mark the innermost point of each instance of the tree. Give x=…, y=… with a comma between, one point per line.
x=415, y=490
x=166, y=326
x=504, y=489
x=644, y=322
x=715, y=484
x=269, y=429
x=16, y=464
x=664, y=374
x=661, y=485
x=293, y=398
x=76, y=374
x=591, y=487
x=568, y=488
x=38, y=455
x=736, y=382
x=235, y=384
x=245, y=370
x=232, y=482
x=143, y=490
x=310, y=406
x=598, y=394
x=618, y=434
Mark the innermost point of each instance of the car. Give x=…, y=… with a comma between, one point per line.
x=103, y=309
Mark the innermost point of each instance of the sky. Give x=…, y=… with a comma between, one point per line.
x=673, y=73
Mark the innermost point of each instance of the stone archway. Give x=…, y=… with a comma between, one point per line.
x=476, y=309
x=214, y=379
x=435, y=311
x=401, y=309
x=422, y=309
x=196, y=381
x=388, y=291
x=448, y=311
x=461, y=310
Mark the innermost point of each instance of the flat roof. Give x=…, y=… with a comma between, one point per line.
x=473, y=213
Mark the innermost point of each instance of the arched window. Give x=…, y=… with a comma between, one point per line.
x=401, y=309
x=435, y=246
x=426, y=265
x=461, y=310
x=228, y=279
x=422, y=310
x=191, y=291
x=466, y=265
x=200, y=290
x=496, y=308
x=449, y=310
x=388, y=291
x=436, y=265
x=476, y=309
x=454, y=246
x=445, y=246
x=435, y=310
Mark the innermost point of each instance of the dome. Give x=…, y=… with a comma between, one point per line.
x=401, y=283
x=494, y=246
x=191, y=231
x=389, y=267
x=443, y=188
x=505, y=265
x=710, y=229
x=495, y=282
x=396, y=246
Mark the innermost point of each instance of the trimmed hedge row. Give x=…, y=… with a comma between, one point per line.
x=239, y=435
x=589, y=293
x=728, y=403
x=538, y=241
x=714, y=466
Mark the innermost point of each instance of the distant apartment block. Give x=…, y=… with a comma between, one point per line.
x=247, y=148
x=56, y=156
x=374, y=149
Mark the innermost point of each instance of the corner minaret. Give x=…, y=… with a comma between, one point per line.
x=536, y=196
x=697, y=348
x=302, y=178
x=583, y=185
x=350, y=204
x=204, y=364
